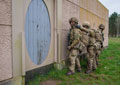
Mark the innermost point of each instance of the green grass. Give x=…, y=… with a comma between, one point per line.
x=108, y=72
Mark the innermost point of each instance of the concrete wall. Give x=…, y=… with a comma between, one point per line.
x=5, y=39
x=85, y=10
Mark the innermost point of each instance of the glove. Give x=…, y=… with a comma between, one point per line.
x=69, y=47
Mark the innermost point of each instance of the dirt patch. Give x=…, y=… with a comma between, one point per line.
x=110, y=57
x=50, y=82
x=94, y=76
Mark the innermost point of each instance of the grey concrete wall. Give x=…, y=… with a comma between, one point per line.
x=5, y=40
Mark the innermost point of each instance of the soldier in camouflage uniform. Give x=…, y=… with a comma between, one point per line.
x=99, y=41
x=75, y=36
x=84, y=45
x=84, y=40
x=90, y=47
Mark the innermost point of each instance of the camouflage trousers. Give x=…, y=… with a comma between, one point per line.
x=82, y=52
x=83, y=49
x=98, y=51
x=74, y=60
x=91, y=62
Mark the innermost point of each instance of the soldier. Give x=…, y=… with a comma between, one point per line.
x=99, y=41
x=75, y=35
x=90, y=47
x=101, y=28
x=84, y=41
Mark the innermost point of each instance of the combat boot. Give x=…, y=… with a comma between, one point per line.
x=88, y=71
x=79, y=70
x=94, y=69
x=70, y=73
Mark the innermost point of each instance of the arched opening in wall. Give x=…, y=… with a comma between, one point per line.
x=37, y=31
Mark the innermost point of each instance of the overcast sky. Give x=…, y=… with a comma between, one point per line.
x=112, y=5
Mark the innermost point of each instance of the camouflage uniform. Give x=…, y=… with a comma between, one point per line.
x=85, y=41
x=75, y=35
x=91, y=52
x=99, y=42
x=90, y=47
x=74, y=52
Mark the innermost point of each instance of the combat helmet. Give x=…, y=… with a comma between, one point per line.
x=86, y=24
x=101, y=26
x=73, y=19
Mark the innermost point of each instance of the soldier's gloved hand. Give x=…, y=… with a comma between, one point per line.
x=69, y=47
x=95, y=45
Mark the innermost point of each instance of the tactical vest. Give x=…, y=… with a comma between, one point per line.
x=85, y=38
x=75, y=34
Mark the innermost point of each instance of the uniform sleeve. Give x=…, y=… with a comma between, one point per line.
x=84, y=29
x=74, y=43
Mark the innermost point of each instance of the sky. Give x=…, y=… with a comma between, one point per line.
x=111, y=5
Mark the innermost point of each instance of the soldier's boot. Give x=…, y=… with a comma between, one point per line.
x=88, y=71
x=70, y=73
x=94, y=68
x=79, y=70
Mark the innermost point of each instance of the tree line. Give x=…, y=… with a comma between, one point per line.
x=114, y=25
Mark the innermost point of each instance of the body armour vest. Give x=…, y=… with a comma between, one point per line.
x=85, y=38
x=76, y=34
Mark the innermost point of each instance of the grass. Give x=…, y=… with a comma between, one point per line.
x=108, y=72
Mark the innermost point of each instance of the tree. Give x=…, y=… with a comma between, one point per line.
x=112, y=25
x=118, y=25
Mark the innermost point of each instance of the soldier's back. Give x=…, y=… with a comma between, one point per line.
x=85, y=38
x=92, y=39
